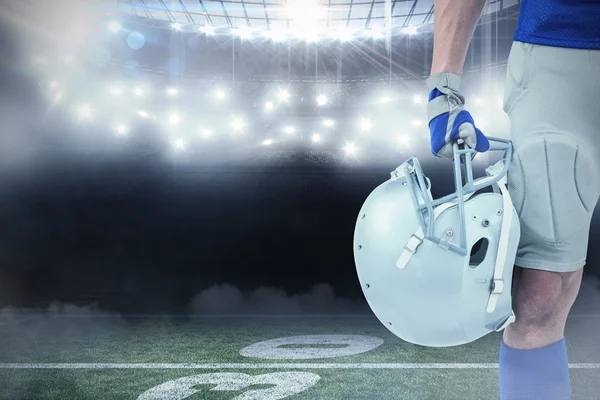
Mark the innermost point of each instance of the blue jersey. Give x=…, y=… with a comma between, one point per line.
x=560, y=23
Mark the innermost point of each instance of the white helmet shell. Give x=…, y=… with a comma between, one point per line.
x=439, y=273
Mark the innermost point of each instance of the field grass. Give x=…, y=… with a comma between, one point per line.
x=75, y=357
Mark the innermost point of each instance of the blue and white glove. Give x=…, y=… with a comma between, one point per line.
x=448, y=120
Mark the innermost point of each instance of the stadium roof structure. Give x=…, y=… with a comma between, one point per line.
x=292, y=15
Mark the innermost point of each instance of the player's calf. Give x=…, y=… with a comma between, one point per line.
x=533, y=353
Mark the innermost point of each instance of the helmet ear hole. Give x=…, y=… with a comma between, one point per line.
x=478, y=252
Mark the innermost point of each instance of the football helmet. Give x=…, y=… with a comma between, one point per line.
x=439, y=272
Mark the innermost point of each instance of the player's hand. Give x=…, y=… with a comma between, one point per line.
x=448, y=120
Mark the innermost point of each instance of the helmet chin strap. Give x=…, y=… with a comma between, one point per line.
x=498, y=286
x=498, y=282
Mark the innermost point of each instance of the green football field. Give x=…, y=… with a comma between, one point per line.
x=325, y=357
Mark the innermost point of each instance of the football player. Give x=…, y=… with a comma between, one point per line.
x=552, y=96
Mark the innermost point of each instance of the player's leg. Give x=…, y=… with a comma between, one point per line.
x=554, y=181
x=533, y=353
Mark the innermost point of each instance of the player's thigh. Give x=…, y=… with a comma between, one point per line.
x=554, y=179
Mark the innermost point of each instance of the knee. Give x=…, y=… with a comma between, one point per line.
x=541, y=302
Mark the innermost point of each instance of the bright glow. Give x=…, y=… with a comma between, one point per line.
x=284, y=96
x=209, y=30
x=322, y=100
x=220, y=94
x=53, y=84
x=411, y=30
x=179, y=144
x=143, y=114
x=289, y=130
x=417, y=123
x=114, y=26
x=375, y=33
x=328, y=123
x=309, y=36
x=174, y=119
x=276, y=35
x=238, y=124
x=267, y=142
x=243, y=32
x=116, y=91
x=176, y=26
x=385, y=100
x=365, y=124
x=121, y=130
x=305, y=13
x=85, y=111
x=206, y=133
x=316, y=138
x=350, y=149
x=269, y=105
x=138, y=92
x=343, y=34
x=172, y=92
x=417, y=99
x=403, y=139
x=480, y=100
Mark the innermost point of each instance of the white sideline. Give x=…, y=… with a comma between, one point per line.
x=268, y=366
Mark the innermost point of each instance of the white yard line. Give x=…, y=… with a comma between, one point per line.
x=267, y=366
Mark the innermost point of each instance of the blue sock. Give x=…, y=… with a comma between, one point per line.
x=535, y=374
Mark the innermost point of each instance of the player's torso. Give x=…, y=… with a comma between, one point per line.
x=561, y=23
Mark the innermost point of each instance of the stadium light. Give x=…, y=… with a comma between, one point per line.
x=269, y=105
x=417, y=99
x=305, y=13
x=276, y=35
x=284, y=96
x=322, y=100
x=174, y=119
x=220, y=95
x=267, y=142
x=328, y=123
x=343, y=34
x=289, y=130
x=172, y=92
x=365, y=124
x=143, y=114
x=138, y=92
x=385, y=100
x=403, y=139
x=316, y=138
x=375, y=33
x=350, y=149
x=179, y=144
x=85, y=111
x=114, y=26
x=309, y=35
x=116, y=91
x=206, y=133
x=411, y=30
x=208, y=30
x=243, y=32
x=238, y=124
x=176, y=26
x=121, y=130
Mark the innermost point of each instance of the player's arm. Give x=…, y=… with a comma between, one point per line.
x=449, y=122
x=454, y=25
